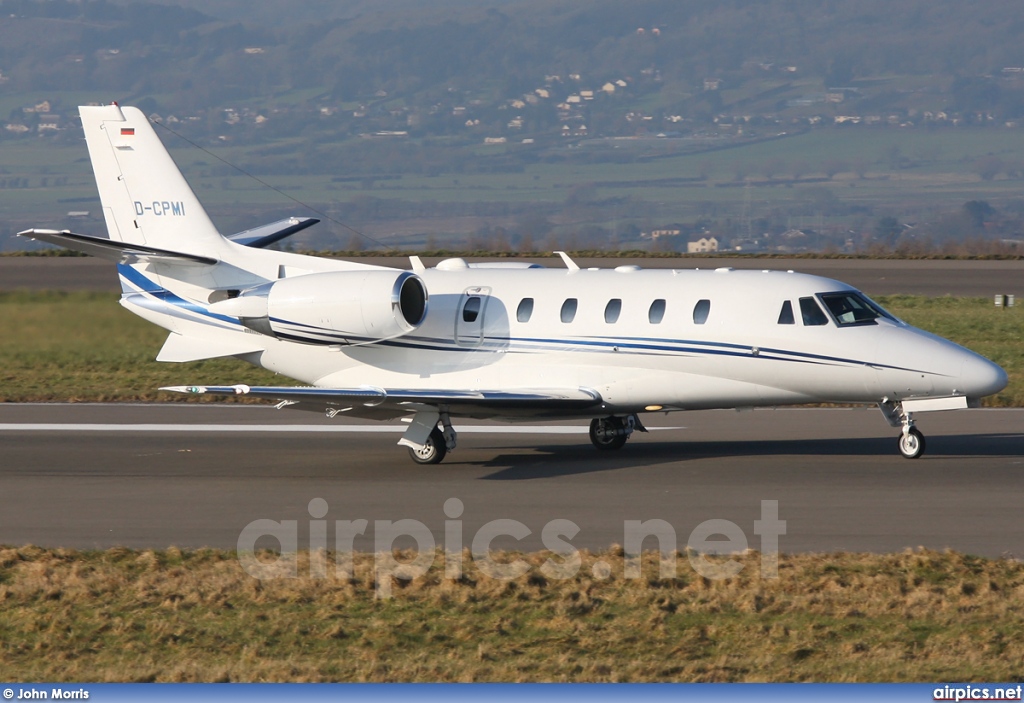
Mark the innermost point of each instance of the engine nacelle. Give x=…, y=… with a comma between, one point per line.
x=337, y=307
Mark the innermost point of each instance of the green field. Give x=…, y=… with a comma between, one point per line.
x=173, y=615
x=85, y=347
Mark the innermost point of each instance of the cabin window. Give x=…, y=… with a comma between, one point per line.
x=471, y=310
x=656, y=312
x=811, y=313
x=569, y=309
x=612, y=311
x=701, y=311
x=525, y=310
x=786, y=314
x=851, y=308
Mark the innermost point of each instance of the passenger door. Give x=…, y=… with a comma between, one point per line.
x=469, y=318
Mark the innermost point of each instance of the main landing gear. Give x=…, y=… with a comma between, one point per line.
x=612, y=432
x=911, y=441
x=433, y=451
x=428, y=443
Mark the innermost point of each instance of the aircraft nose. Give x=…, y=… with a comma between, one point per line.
x=980, y=377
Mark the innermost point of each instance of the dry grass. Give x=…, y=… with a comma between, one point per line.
x=123, y=615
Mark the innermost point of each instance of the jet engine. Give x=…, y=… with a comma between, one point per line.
x=337, y=307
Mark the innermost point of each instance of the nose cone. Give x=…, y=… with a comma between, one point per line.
x=980, y=377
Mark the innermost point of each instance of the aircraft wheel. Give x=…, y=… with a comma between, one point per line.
x=608, y=433
x=433, y=451
x=912, y=444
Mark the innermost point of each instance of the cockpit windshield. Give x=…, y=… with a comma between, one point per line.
x=853, y=308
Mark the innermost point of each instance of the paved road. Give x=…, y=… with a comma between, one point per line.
x=193, y=475
x=881, y=277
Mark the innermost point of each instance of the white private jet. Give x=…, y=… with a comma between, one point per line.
x=496, y=340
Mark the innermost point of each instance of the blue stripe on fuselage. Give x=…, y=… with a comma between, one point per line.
x=146, y=285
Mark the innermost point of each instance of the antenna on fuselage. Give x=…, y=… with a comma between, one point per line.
x=569, y=263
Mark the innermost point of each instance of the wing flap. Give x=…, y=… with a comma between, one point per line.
x=475, y=402
x=120, y=252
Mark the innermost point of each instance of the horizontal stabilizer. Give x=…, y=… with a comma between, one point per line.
x=180, y=348
x=405, y=400
x=120, y=252
x=263, y=236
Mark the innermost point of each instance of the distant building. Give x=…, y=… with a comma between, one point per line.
x=702, y=245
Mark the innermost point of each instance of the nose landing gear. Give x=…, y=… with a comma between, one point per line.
x=911, y=442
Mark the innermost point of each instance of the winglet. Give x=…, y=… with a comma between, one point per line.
x=417, y=263
x=569, y=263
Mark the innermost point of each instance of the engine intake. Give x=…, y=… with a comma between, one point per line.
x=337, y=307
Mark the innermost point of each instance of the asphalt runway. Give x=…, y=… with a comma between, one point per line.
x=875, y=277
x=143, y=476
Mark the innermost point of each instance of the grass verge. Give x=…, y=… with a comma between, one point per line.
x=173, y=615
x=84, y=347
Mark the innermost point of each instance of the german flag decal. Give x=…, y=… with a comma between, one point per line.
x=127, y=131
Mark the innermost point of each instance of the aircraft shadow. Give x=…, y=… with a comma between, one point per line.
x=566, y=460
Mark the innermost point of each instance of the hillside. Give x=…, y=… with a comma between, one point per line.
x=590, y=114
x=686, y=64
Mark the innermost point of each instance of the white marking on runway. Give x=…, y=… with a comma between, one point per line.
x=152, y=427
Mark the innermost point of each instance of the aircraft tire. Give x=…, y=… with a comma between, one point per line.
x=912, y=444
x=433, y=451
x=602, y=439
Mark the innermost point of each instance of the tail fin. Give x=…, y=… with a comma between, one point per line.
x=146, y=201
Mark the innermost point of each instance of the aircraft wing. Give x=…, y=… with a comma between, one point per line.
x=120, y=252
x=371, y=401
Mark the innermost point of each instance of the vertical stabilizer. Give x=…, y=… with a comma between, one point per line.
x=145, y=198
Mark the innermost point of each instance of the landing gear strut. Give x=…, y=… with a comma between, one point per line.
x=612, y=432
x=911, y=442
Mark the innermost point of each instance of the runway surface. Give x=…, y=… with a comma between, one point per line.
x=875, y=277
x=158, y=475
